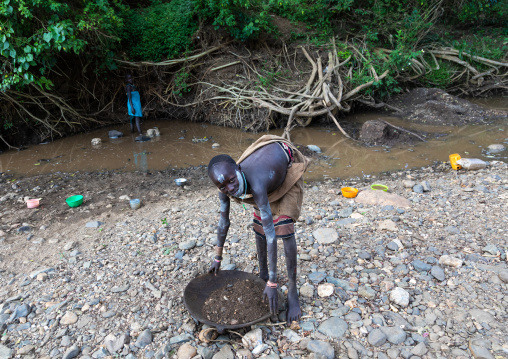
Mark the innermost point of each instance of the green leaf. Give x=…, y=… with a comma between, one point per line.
x=6, y=45
x=29, y=57
x=13, y=53
x=28, y=49
x=47, y=37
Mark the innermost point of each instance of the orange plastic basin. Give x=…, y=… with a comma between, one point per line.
x=349, y=192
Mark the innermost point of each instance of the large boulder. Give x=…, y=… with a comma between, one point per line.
x=381, y=198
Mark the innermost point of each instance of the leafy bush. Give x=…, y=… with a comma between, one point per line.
x=34, y=33
x=160, y=31
x=243, y=19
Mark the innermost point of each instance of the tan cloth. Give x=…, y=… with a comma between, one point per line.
x=287, y=199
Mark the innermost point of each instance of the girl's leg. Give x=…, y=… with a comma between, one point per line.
x=138, y=120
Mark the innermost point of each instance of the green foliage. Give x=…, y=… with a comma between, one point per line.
x=483, y=46
x=316, y=14
x=180, y=81
x=160, y=31
x=486, y=12
x=34, y=33
x=243, y=19
x=439, y=76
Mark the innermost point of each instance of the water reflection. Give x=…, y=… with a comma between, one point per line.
x=184, y=144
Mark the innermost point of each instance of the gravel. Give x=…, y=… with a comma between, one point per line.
x=375, y=280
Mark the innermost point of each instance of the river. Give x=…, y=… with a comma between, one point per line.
x=184, y=144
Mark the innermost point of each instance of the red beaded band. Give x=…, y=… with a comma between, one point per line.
x=271, y=285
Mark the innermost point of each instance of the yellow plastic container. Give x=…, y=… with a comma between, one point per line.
x=453, y=161
x=349, y=192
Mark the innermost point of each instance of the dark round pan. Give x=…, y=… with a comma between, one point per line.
x=199, y=289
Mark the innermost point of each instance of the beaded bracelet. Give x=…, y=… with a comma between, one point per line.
x=218, y=259
x=271, y=285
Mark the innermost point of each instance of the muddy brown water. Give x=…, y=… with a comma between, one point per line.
x=185, y=144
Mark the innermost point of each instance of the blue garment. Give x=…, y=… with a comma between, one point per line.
x=137, y=104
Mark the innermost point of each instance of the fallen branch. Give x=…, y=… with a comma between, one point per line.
x=404, y=130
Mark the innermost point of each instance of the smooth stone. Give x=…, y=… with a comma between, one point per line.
x=366, y=292
x=5, y=352
x=94, y=224
x=72, y=352
x=144, y=338
x=321, y=347
x=114, y=344
x=480, y=352
x=253, y=338
x=307, y=291
x=503, y=275
x=450, y=261
x=242, y=353
x=325, y=290
x=420, y=349
x=325, y=235
x=291, y=335
x=377, y=338
x=421, y=266
x=34, y=274
x=418, y=188
x=182, y=338
x=426, y=186
x=400, y=297
x=382, y=198
x=408, y=183
x=388, y=225
x=121, y=289
x=317, y=276
x=438, y=273
x=69, y=318
x=186, y=351
x=25, y=350
x=207, y=353
x=20, y=311
x=491, y=249
x=333, y=327
x=452, y=230
x=109, y=314
x=259, y=349
x=187, y=245
x=496, y=147
x=363, y=254
x=395, y=335
x=224, y=353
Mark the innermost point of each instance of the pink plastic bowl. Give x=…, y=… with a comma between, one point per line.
x=32, y=203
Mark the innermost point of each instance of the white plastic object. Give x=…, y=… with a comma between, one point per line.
x=472, y=163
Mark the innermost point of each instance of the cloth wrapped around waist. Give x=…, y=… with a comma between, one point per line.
x=136, y=102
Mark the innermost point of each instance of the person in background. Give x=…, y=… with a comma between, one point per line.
x=133, y=104
x=268, y=176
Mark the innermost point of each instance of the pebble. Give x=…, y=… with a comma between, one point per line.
x=186, y=351
x=72, y=352
x=144, y=338
x=450, y=261
x=377, y=338
x=321, y=347
x=400, y=297
x=348, y=273
x=326, y=290
x=93, y=224
x=333, y=327
x=438, y=273
x=69, y=318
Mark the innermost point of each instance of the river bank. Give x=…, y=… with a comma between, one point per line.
x=421, y=277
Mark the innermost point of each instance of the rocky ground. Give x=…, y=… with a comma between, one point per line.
x=420, y=272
